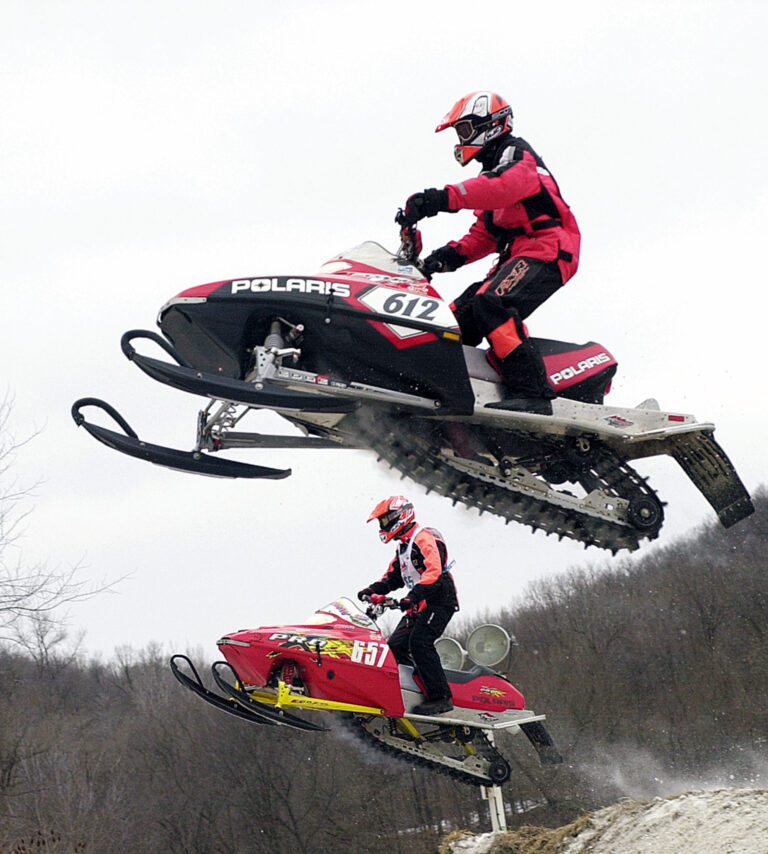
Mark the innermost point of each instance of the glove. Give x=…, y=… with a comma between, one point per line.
x=419, y=205
x=366, y=591
x=378, y=599
x=446, y=259
x=406, y=604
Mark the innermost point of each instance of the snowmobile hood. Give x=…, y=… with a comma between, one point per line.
x=366, y=263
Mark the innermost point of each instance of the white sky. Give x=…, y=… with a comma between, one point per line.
x=149, y=147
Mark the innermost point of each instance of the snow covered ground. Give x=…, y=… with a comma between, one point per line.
x=725, y=821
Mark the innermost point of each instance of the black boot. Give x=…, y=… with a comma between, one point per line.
x=527, y=385
x=434, y=707
x=536, y=405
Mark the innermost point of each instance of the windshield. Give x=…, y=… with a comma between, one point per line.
x=373, y=255
x=343, y=609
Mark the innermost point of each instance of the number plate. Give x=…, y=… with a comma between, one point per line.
x=404, y=304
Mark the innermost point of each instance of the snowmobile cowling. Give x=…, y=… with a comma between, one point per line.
x=338, y=662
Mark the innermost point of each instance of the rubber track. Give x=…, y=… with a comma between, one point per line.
x=409, y=456
x=354, y=724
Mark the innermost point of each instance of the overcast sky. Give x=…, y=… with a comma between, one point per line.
x=149, y=147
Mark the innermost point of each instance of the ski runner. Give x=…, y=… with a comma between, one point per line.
x=522, y=216
x=420, y=564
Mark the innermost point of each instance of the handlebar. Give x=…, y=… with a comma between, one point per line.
x=410, y=246
x=378, y=608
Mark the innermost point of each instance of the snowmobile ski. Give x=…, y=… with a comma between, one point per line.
x=185, y=378
x=244, y=700
x=197, y=687
x=194, y=462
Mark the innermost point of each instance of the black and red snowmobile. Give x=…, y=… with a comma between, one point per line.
x=338, y=661
x=366, y=354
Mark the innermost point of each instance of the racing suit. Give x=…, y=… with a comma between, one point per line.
x=421, y=564
x=522, y=216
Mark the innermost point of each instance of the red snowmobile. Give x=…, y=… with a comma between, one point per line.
x=338, y=661
x=366, y=354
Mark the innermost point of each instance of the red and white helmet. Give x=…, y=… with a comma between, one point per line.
x=478, y=119
x=395, y=515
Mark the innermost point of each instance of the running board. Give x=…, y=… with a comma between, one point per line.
x=713, y=474
x=184, y=377
x=494, y=721
x=194, y=462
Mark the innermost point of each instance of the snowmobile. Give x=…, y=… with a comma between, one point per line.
x=339, y=661
x=366, y=354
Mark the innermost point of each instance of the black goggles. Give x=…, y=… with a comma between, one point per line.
x=388, y=520
x=467, y=129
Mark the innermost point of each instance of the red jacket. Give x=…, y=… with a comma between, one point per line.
x=519, y=211
x=429, y=555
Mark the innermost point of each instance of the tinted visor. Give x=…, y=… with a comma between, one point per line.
x=466, y=129
x=388, y=520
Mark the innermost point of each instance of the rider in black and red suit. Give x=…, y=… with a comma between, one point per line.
x=522, y=216
x=420, y=564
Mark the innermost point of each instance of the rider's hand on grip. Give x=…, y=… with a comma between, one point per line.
x=419, y=205
x=406, y=604
x=378, y=599
x=446, y=259
x=364, y=594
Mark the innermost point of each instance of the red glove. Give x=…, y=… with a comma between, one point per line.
x=378, y=598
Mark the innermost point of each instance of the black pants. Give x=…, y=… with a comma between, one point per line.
x=413, y=642
x=495, y=309
x=515, y=289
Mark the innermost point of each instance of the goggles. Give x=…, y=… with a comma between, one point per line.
x=467, y=129
x=470, y=127
x=388, y=520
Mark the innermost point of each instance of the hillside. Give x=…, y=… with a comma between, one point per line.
x=652, y=671
x=724, y=821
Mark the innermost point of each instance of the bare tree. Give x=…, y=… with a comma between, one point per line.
x=31, y=596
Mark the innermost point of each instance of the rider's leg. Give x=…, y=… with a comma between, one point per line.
x=514, y=290
x=428, y=625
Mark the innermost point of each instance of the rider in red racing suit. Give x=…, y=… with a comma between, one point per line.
x=522, y=216
x=421, y=564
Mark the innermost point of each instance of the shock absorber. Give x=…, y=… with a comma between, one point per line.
x=275, y=340
x=289, y=672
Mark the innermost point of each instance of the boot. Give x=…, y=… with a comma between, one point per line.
x=434, y=707
x=527, y=385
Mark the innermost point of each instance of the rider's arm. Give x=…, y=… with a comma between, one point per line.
x=391, y=580
x=515, y=178
x=476, y=243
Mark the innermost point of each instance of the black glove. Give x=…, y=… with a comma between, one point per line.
x=446, y=259
x=419, y=205
x=366, y=591
x=406, y=604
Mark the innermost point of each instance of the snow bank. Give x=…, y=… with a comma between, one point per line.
x=725, y=821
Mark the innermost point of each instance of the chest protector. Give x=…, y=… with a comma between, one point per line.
x=410, y=574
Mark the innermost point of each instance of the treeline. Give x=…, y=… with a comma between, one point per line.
x=645, y=667
x=651, y=670
x=120, y=758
